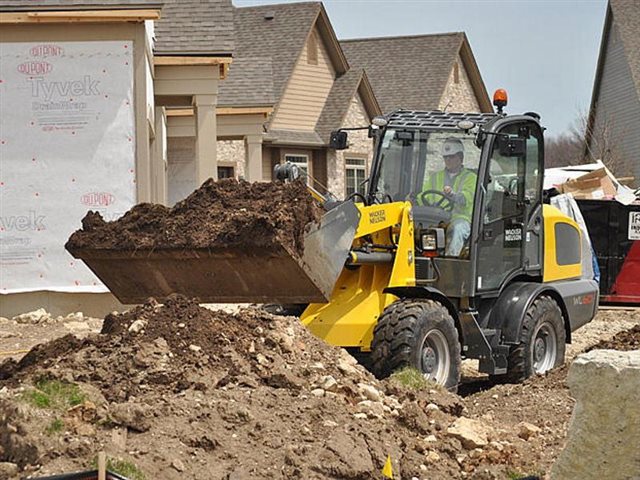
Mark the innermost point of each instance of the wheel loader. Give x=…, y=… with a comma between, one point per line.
x=380, y=274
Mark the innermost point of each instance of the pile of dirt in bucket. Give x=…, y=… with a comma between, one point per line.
x=180, y=391
x=226, y=213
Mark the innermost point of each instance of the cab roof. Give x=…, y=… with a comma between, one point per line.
x=435, y=119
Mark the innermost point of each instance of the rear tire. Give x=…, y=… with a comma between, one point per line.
x=542, y=342
x=419, y=334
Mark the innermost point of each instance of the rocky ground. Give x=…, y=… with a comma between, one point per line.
x=183, y=392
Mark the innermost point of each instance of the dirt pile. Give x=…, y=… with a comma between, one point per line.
x=627, y=340
x=185, y=392
x=227, y=213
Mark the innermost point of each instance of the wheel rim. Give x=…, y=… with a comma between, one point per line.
x=545, y=348
x=435, y=358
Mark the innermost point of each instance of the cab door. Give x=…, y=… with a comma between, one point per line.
x=509, y=236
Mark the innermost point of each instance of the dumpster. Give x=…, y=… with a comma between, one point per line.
x=614, y=229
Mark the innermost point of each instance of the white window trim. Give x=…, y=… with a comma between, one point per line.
x=362, y=167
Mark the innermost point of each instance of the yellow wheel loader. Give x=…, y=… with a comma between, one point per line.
x=450, y=253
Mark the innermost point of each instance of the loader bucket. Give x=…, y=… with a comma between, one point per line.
x=232, y=275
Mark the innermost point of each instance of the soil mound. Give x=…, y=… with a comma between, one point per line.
x=185, y=392
x=627, y=340
x=223, y=214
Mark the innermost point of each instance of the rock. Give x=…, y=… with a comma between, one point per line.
x=75, y=326
x=432, y=406
x=328, y=384
x=74, y=317
x=375, y=409
x=317, y=392
x=137, y=326
x=430, y=438
x=262, y=360
x=8, y=470
x=9, y=334
x=604, y=432
x=360, y=416
x=329, y=424
x=471, y=433
x=4, y=321
x=37, y=316
x=195, y=348
x=369, y=392
x=527, y=430
x=432, y=457
x=178, y=465
x=316, y=366
x=130, y=415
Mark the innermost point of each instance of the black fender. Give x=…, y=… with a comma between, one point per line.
x=577, y=300
x=425, y=292
x=433, y=293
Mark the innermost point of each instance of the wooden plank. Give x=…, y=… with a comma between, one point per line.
x=80, y=16
x=178, y=61
x=187, y=112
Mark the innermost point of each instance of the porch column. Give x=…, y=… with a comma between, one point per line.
x=206, y=159
x=253, y=155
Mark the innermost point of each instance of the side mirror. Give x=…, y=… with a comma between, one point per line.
x=339, y=140
x=512, y=147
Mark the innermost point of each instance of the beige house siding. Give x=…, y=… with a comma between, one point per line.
x=360, y=146
x=459, y=97
x=306, y=93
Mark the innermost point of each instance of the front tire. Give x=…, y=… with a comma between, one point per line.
x=542, y=341
x=419, y=334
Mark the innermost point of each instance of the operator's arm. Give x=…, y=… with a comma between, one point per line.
x=465, y=197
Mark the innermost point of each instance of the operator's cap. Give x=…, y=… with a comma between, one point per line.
x=452, y=146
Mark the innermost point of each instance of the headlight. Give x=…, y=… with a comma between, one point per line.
x=429, y=241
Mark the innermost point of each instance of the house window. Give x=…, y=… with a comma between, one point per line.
x=355, y=173
x=456, y=73
x=225, y=172
x=302, y=162
x=312, y=49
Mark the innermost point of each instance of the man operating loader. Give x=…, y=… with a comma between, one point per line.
x=458, y=185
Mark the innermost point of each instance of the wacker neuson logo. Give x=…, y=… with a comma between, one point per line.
x=22, y=223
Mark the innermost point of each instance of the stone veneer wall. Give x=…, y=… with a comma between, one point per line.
x=231, y=153
x=360, y=146
x=459, y=97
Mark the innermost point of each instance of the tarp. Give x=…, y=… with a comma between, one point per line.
x=67, y=146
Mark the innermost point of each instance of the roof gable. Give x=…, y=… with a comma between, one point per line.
x=279, y=33
x=344, y=89
x=412, y=71
x=195, y=27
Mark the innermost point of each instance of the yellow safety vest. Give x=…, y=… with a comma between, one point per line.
x=464, y=183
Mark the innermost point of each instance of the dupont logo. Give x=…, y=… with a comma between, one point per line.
x=46, y=50
x=97, y=199
x=35, y=68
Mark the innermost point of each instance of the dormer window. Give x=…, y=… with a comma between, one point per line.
x=312, y=49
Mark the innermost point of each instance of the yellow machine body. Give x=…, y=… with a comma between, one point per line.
x=562, y=246
x=357, y=300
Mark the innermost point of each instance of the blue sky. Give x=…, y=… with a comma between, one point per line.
x=543, y=52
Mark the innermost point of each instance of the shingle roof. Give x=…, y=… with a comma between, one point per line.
x=338, y=100
x=406, y=72
x=250, y=83
x=195, y=27
x=626, y=14
x=277, y=32
x=23, y=5
x=291, y=137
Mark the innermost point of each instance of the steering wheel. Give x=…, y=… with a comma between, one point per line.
x=445, y=203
